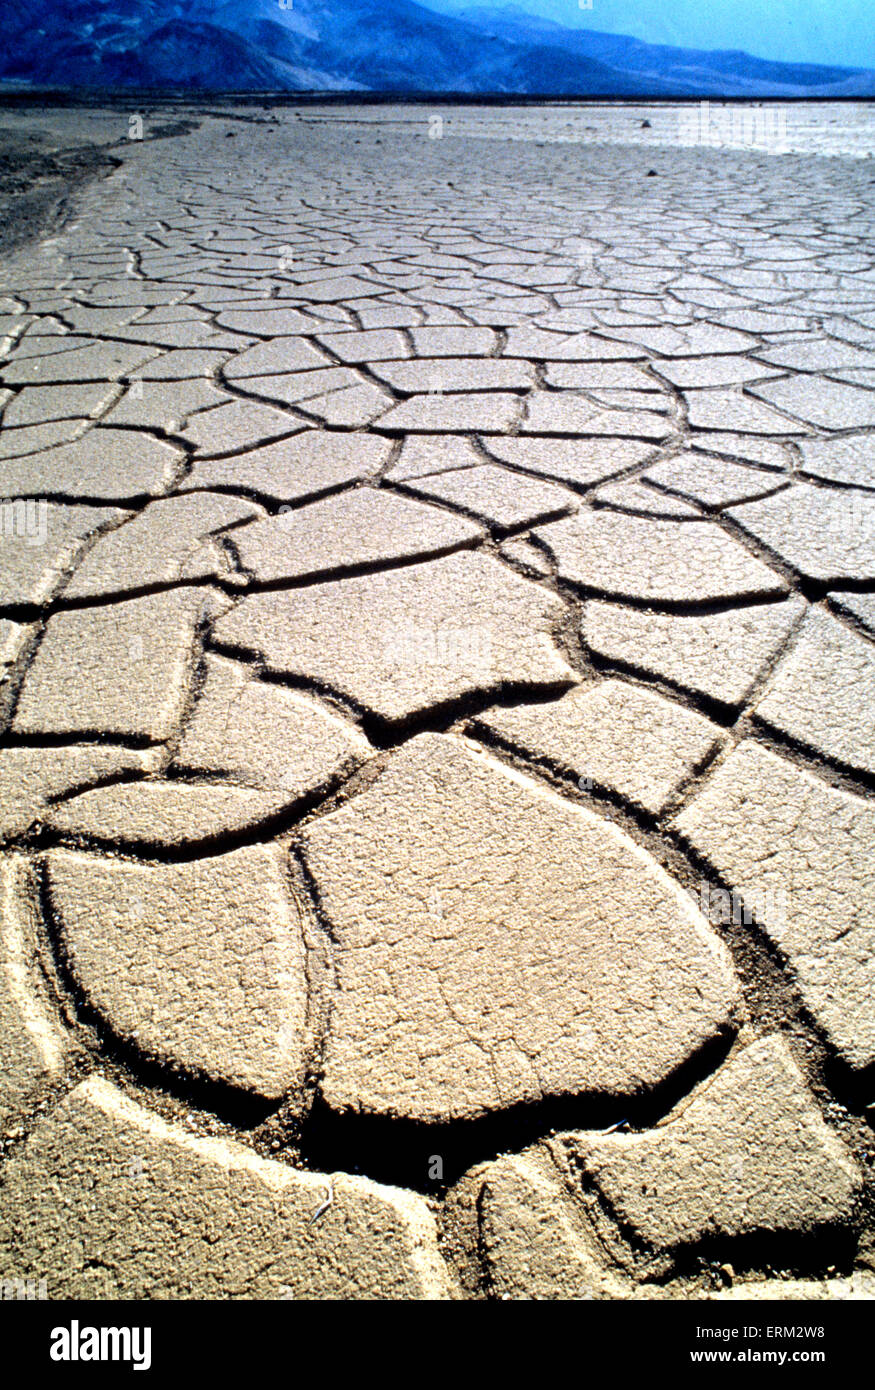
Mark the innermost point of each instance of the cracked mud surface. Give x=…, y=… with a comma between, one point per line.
x=437, y=597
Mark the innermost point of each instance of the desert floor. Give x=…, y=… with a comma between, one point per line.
x=437, y=601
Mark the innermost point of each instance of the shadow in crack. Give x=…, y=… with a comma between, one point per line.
x=431, y=1157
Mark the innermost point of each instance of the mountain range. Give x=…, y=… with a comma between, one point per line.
x=394, y=46
x=831, y=32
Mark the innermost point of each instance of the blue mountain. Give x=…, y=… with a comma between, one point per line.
x=832, y=32
x=370, y=45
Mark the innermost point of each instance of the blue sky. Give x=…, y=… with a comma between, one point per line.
x=812, y=31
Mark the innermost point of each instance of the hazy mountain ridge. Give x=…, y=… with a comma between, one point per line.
x=634, y=55
x=835, y=33
x=378, y=45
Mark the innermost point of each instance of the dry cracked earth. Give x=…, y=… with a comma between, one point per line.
x=437, y=601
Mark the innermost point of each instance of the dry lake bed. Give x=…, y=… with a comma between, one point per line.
x=437, y=684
